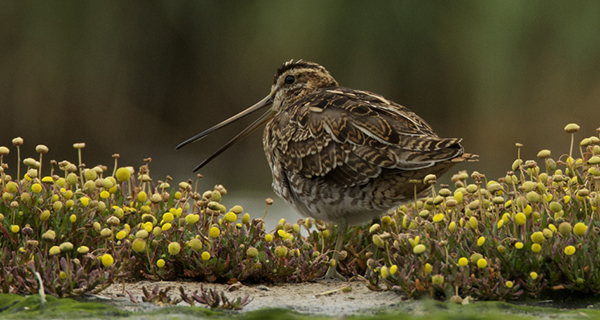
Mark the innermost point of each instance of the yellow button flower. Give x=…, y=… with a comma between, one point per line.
x=123, y=174
x=168, y=217
x=480, y=241
x=174, y=248
x=533, y=275
x=107, y=260
x=520, y=218
x=519, y=245
x=428, y=268
x=214, y=232
x=36, y=188
x=482, y=263
x=142, y=196
x=579, y=229
x=393, y=269
x=569, y=250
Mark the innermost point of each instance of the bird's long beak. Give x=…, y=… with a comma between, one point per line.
x=265, y=102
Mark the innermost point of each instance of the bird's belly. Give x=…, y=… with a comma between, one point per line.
x=320, y=199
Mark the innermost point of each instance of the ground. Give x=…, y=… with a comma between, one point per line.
x=324, y=297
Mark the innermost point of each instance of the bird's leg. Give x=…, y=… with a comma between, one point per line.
x=341, y=237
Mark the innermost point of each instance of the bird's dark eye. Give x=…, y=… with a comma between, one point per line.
x=290, y=79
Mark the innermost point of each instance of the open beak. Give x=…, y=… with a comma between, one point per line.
x=265, y=102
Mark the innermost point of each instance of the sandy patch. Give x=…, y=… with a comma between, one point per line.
x=309, y=298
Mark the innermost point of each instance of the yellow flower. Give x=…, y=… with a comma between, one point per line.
x=73, y=218
x=15, y=228
x=123, y=174
x=533, y=275
x=138, y=245
x=463, y=261
x=452, y=227
x=104, y=194
x=428, y=268
x=174, y=248
x=54, y=250
x=205, y=256
x=85, y=201
x=438, y=279
x=83, y=249
x=121, y=235
x=142, y=196
x=107, y=260
x=45, y=215
x=157, y=231
x=142, y=234
x=508, y=284
x=538, y=237
x=482, y=263
x=177, y=195
x=480, y=241
x=552, y=227
x=438, y=217
x=500, y=223
x=11, y=187
x=60, y=182
x=166, y=226
x=179, y=211
x=214, y=232
x=536, y=247
x=579, y=229
x=230, y=216
x=160, y=263
x=268, y=237
x=385, y=272
x=520, y=218
x=36, y=188
x=281, y=233
x=519, y=245
x=418, y=249
x=62, y=275
x=393, y=269
x=195, y=244
x=473, y=223
x=569, y=250
x=458, y=196
x=192, y=218
x=168, y=217
x=246, y=218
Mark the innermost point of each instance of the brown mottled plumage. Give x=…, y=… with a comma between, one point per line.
x=339, y=154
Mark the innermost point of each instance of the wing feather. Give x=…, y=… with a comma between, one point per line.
x=350, y=136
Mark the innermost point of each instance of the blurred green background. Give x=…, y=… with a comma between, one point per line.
x=139, y=77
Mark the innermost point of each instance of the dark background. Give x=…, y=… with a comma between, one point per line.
x=139, y=77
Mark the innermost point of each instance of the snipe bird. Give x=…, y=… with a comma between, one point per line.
x=339, y=154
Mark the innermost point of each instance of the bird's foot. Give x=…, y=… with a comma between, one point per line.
x=332, y=273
